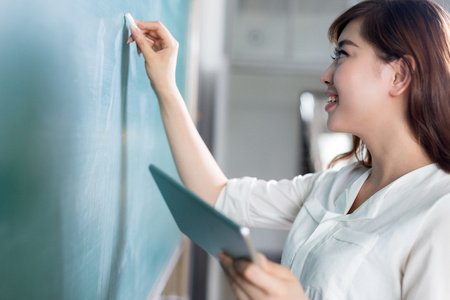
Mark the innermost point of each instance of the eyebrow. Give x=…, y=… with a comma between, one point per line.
x=346, y=42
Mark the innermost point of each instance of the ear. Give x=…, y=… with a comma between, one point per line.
x=402, y=75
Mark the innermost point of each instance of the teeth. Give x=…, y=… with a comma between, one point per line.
x=332, y=99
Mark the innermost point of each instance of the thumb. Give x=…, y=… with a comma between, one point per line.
x=142, y=42
x=274, y=268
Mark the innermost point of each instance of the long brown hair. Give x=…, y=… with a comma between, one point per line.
x=419, y=29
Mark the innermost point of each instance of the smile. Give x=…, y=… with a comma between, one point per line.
x=332, y=99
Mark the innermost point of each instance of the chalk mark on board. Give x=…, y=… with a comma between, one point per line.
x=118, y=254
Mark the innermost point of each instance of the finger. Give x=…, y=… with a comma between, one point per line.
x=241, y=287
x=147, y=36
x=250, y=273
x=247, y=288
x=275, y=269
x=272, y=267
x=227, y=265
x=142, y=43
x=239, y=293
x=157, y=30
x=150, y=42
x=263, y=277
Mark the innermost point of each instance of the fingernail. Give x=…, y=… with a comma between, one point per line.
x=221, y=257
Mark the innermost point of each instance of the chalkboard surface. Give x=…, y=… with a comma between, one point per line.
x=80, y=216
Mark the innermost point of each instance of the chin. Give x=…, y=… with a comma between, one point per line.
x=331, y=126
x=336, y=127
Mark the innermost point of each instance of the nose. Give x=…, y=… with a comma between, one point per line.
x=327, y=76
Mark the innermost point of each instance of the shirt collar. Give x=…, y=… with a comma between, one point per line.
x=370, y=208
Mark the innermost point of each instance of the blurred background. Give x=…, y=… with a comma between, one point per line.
x=261, y=102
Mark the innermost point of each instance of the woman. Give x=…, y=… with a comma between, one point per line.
x=377, y=229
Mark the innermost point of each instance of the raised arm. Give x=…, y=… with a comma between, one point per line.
x=197, y=168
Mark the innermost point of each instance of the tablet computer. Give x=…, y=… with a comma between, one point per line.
x=204, y=225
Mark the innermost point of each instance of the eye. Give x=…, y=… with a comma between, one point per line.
x=338, y=54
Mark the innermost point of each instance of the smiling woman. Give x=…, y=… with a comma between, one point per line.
x=370, y=92
x=376, y=229
x=417, y=34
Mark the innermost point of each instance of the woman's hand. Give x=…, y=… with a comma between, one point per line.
x=267, y=281
x=160, y=51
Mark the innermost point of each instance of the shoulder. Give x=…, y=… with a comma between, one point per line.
x=429, y=203
x=330, y=182
x=300, y=186
x=343, y=176
x=427, y=186
x=416, y=197
x=436, y=220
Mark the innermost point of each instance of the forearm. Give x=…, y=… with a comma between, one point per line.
x=196, y=166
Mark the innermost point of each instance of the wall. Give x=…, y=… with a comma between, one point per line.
x=80, y=217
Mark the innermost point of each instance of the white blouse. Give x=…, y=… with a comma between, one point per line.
x=396, y=245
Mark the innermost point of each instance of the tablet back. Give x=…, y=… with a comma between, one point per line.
x=198, y=220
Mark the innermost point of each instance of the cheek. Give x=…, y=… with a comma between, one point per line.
x=354, y=85
x=343, y=80
x=349, y=72
x=344, y=84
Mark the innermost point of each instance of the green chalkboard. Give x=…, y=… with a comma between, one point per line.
x=80, y=216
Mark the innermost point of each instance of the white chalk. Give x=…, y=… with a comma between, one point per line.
x=131, y=21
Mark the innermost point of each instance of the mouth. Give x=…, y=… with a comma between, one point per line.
x=332, y=99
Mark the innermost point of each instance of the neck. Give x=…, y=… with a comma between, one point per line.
x=394, y=156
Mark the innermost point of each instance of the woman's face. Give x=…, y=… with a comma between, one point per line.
x=358, y=85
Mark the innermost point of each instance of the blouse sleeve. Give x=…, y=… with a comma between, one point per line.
x=264, y=204
x=427, y=270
